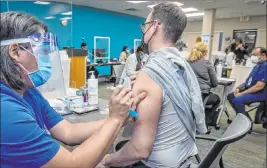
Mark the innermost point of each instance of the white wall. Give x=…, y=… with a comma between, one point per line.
x=227, y=26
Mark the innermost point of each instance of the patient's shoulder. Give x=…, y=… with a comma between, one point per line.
x=144, y=83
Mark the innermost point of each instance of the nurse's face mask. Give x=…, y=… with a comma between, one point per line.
x=41, y=48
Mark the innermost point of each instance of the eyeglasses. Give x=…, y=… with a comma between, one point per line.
x=142, y=26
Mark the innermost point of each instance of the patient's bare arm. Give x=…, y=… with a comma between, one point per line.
x=145, y=127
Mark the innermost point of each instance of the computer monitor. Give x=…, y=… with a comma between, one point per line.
x=99, y=52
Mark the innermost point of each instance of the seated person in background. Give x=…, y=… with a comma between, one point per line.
x=134, y=63
x=207, y=79
x=180, y=45
x=254, y=89
x=198, y=39
x=164, y=133
x=124, y=54
x=230, y=55
x=239, y=51
x=254, y=58
x=83, y=44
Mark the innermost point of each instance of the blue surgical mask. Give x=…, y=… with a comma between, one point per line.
x=43, y=73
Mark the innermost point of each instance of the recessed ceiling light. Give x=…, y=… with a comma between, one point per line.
x=42, y=2
x=136, y=2
x=194, y=14
x=50, y=17
x=177, y=3
x=66, y=18
x=209, y=1
x=189, y=9
x=67, y=13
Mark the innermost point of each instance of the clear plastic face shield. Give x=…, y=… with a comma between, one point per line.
x=44, y=47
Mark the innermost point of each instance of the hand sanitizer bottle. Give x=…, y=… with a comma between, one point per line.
x=92, y=86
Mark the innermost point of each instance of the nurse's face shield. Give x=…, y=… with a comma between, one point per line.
x=41, y=45
x=44, y=47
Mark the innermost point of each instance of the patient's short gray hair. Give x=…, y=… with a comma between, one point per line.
x=15, y=25
x=172, y=18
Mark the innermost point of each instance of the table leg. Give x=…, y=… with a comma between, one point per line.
x=229, y=121
x=222, y=106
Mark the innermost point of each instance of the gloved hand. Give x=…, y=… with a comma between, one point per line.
x=120, y=103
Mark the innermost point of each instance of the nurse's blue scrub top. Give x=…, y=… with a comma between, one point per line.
x=24, y=124
x=258, y=73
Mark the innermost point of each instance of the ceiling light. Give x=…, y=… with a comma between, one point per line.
x=136, y=2
x=209, y=1
x=50, y=17
x=67, y=13
x=42, y=2
x=194, y=14
x=189, y=9
x=177, y=3
x=66, y=18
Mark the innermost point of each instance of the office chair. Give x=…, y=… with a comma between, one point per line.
x=260, y=116
x=236, y=131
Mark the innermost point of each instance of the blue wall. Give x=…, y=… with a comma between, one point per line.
x=86, y=22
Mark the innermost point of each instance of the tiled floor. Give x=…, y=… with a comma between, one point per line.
x=249, y=152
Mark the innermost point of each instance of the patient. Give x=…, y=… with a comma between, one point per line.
x=164, y=133
x=207, y=79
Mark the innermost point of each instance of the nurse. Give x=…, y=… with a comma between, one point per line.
x=26, y=117
x=254, y=89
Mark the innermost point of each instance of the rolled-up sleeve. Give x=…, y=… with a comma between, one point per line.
x=262, y=74
x=51, y=117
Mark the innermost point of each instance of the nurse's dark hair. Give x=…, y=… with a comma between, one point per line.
x=15, y=25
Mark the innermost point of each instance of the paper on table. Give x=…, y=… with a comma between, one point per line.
x=226, y=79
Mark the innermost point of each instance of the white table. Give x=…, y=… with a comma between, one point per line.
x=89, y=117
x=228, y=87
x=240, y=74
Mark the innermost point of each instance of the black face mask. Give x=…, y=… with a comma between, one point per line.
x=145, y=48
x=144, y=45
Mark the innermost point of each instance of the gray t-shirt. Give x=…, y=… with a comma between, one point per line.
x=173, y=144
x=205, y=73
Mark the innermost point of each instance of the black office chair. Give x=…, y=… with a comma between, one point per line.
x=260, y=116
x=236, y=131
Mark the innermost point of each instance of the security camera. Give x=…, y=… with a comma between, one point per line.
x=263, y=2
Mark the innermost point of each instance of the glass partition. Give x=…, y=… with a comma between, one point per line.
x=137, y=43
x=101, y=50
